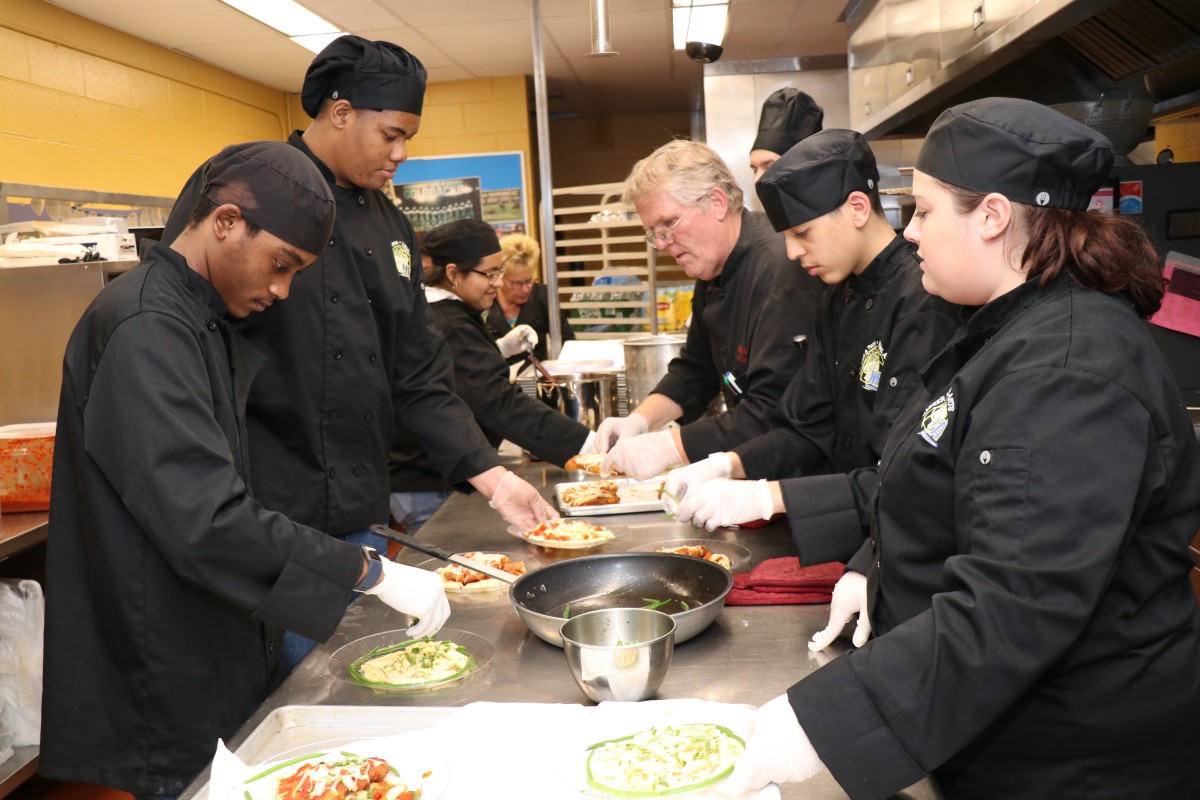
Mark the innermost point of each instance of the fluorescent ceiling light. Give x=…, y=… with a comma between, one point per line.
x=315, y=43
x=698, y=21
x=285, y=16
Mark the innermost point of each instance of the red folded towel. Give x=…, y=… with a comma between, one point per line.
x=783, y=581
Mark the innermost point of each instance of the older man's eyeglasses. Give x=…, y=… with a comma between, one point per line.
x=662, y=237
x=525, y=284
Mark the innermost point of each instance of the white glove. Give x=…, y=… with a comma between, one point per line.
x=643, y=456
x=521, y=339
x=680, y=482
x=849, y=598
x=777, y=751
x=522, y=507
x=419, y=593
x=726, y=502
x=614, y=429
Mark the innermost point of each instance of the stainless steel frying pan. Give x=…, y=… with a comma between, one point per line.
x=691, y=590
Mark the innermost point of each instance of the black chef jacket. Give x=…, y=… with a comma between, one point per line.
x=1037, y=636
x=167, y=585
x=350, y=353
x=502, y=410
x=874, y=332
x=536, y=314
x=743, y=322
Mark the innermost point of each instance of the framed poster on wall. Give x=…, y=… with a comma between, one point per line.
x=435, y=190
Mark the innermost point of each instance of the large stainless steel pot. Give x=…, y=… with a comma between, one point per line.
x=545, y=598
x=587, y=397
x=646, y=360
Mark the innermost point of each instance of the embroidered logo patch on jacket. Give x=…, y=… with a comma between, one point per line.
x=872, y=366
x=403, y=258
x=936, y=418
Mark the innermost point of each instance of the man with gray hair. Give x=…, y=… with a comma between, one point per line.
x=751, y=312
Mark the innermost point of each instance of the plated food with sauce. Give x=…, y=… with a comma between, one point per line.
x=357, y=771
x=392, y=661
x=458, y=578
x=609, y=496
x=568, y=534
x=663, y=760
x=728, y=554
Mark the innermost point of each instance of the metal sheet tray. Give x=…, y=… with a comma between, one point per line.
x=637, y=497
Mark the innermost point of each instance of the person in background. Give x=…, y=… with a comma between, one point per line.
x=1036, y=632
x=750, y=311
x=877, y=327
x=788, y=116
x=167, y=583
x=522, y=303
x=355, y=353
x=467, y=269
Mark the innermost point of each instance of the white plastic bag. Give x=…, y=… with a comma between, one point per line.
x=22, y=615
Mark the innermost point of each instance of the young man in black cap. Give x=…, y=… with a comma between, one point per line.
x=876, y=328
x=363, y=353
x=788, y=116
x=751, y=306
x=168, y=584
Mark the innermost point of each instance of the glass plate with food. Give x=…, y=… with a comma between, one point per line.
x=393, y=662
x=730, y=555
x=571, y=534
x=466, y=586
x=363, y=770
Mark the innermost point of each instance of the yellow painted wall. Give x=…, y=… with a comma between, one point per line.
x=89, y=107
x=1182, y=137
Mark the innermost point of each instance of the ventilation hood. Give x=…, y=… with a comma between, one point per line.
x=910, y=59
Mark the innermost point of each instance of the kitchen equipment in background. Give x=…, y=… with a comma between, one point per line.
x=26, y=461
x=587, y=397
x=619, y=653
x=1163, y=199
x=646, y=360
x=1118, y=115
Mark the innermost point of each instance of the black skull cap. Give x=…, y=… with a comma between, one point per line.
x=1023, y=150
x=788, y=116
x=816, y=176
x=277, y=187
x=461, y=241
x=375, y=75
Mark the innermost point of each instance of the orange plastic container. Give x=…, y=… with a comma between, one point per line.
x=26, y=460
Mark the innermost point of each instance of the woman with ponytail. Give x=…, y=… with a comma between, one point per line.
x=1035, y=631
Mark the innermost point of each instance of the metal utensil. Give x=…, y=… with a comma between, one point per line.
x=437, y=552
x=540, y=367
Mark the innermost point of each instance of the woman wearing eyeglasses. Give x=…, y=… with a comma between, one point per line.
x=520, y=299
x=462, y=283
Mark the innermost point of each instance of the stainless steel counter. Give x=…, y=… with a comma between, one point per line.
x=748, y=655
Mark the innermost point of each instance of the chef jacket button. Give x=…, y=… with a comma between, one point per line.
x=985, y=457
x=332, y=241
x=874, y=546
x=270, y=648
x=212, y=324
x=846, y=298
x=370, y=251
x=847, y=442
x=870, y=303
x=367, y=415
x=332, y=472
x=362, y=201
x=333, y=298
x=333, y=415
x=357, y=471
x=372, y=358
x=892, y=382
x=878, y=566
x=337, y=355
